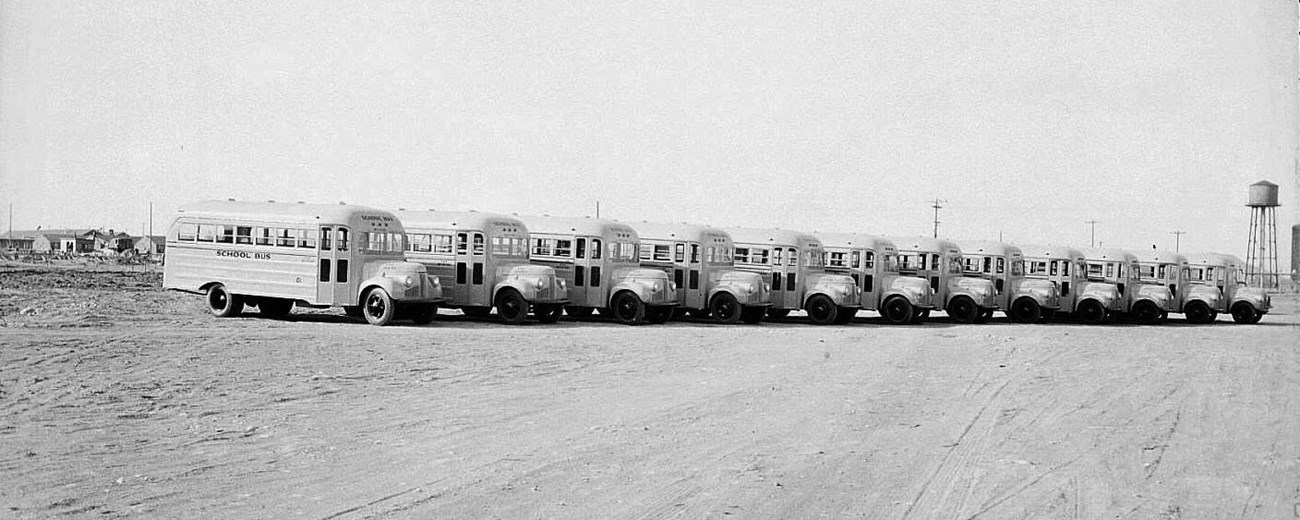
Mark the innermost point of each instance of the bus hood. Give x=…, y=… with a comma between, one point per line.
x=1045, y=292
x=1256, y=296
x=749, y=288
x=841, y=288
x=1106, y=293
x=1207, y=293
x=978, y=288
x=1156, y=293
x=915, y=289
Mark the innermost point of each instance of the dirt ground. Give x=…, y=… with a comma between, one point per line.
x=119, y=399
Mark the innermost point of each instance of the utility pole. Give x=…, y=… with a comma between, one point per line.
x=936, y=207
x=151, y=219
x=1093, y=223
x=1178, y=236
x=598, y=209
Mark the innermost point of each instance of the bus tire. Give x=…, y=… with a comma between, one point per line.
x=1026, y=310
x=222, y=304
x=579, y=312
x=822, y=310
x=378, y=307
x=477, y=312
x=898, y=311
x=1197, y=311
x=753, y=315
x=274, y=307
x=548, y=313
x=725, y=308
x=512, y=307
x=424, y=313
x=627, y=308
x=1244, y=312
x=984, y=316
x=1092, y=312
x=659, y=315
x=1146, y=312
x=778, y=313
x=963, y=310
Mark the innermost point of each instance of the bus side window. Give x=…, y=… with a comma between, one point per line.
x=742, y=255
x=595, y=251
x=342, y=244
x=325, y=241
x=342, y=276
x=1065, y=268
x=791, y=258
x=934, y=262
x=207, y=233
x=855, y=259
x=462, y=243
x=776, y=260
x=581, y=249
x=695, y=253
x=920, y=262
x=564, y=248
x=595, y=275
x=1055, y=263
x=187, y=232
x=478, y=243
x=263, y=236
x=225, y=234
x=1002, y=265
x=679, y=253
x=285, y=237
x=869, y=262
x=324, y=269
x=244, y=235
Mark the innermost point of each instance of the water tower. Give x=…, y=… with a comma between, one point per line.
x=1261, y=250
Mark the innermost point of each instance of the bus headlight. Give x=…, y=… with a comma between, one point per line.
x=767, y=287
x=672, y=285
x=408, y=281
x=560, y=282
x=541, y=284
x=435, y=281
x=654, y=287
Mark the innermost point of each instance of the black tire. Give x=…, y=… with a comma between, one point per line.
x=548, y=313
x=963, y=310
x=1198, y=312
x=378, y=307
x=725, y=308
x=1146, y=312
x=1091, y=312
x=680, y=312
x=753, y=315
x=897, y=310
x=424, y=313
x=1258, y=316
x=846, y=315
x=778, y=313
x=1026, y=310
x=627, y=308
x=659, y=315
x=579, y=312
x=353, y=311
x=512, y=307
x=984, y=316
x=222, y=304
x=274, y=307
x=821, y=309
x=1243, y=312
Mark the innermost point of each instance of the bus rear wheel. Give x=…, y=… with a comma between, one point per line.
x=822, y=310
x=725, y=308
x=424, y=313
x=512, y=307
x=274, y=307
x=963, y=310
x=1026, y=310
x=378, y=307
x=222, y=304
x=898, y=311
x=1146, y=312
x=627, y=308
x=1244, y=312
x=548, y=313
x=1092, y=312
x=659, y=315
x=753, y=315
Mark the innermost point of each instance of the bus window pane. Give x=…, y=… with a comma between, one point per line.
x=679, y=254
x=790, y=282
x=564, y=248
x=325, y=241
x=244, y=235
x=870, y=262
x=662, y=252
x=478, y=243
x=207, y=233
x=1002, y=265
x=743, y=255
x=645, y=254
x=855, y=260
x=595, y=274
x=342, y=276
x=581, y=248
x=542, y=246
x=263, y=236
x=579, y=275
x=324, y=269
x=695, y=253
x=442, y=244
x=756, y=255
x=342, y=244
x=225, y=234
x=920, y=261
x=307, y=240
x=1065, y=268
x=595, y=248
x=421, y=243
x=694, y=279
x=777, y=257
x=462, y=243
x=791, y=257
x=187, y=232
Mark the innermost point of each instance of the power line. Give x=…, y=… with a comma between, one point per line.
x=936, y=207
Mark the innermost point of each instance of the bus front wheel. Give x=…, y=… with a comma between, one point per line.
x=822, y=310
x=1026, y=310
x=548, y=313
x=1244, y=313
x=222, y=303
x=1146, y=312
x=512, y=306
x=898, y=311
x=725, y=308
x=627, y=308
x=378, y=307
x=963, y=310
x=423, y=314
x=1092, y=312
x=659, y=315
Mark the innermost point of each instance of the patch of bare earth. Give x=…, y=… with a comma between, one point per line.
x=120, y=399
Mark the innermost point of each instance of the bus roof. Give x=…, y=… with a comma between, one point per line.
x=926, y=244
x=988, y=247
x=1164, y=257
x=782, y=237
x=285, y=212
x=598, y=227
x=872, y=242
x=684, y=232
x=1049, y=251
x=1097, y=253
x=467, y=220
x=1213, y=259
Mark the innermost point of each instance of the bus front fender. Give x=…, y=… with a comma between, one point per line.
x=746, y=294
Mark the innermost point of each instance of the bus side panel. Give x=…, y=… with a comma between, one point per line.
x=444, y=267
x=580, y=295
x=281, y=275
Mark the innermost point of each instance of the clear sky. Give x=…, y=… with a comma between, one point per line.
x=1028, y=117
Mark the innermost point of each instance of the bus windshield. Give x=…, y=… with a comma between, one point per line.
x=813, y=258
x=509, y=247
x=955, y=264
x=622, y=251
x=381, y=243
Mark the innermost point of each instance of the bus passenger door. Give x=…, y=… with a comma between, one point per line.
x=686, y=270
x=480, y=281
x=334, y=280
x=325, y=267
x=463, y=262
x=581, y=294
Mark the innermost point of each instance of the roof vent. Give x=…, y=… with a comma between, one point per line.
x=231, y=200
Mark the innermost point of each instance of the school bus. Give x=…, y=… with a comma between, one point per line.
x=1215, y=283
x=966, y=299
x=1145, y=301
x=599, y=262
x=482, y=260
x=699, y=260
x=275, y=255
x=872, y=262
x=1066, y=268
x=793, y=262
x=1164, y=268
x=1024, y=300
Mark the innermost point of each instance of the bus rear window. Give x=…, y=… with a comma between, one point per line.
x=187, y=232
